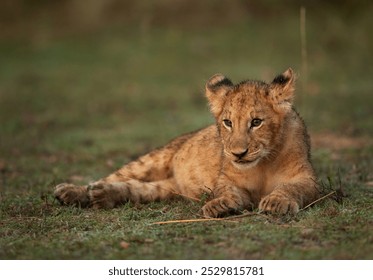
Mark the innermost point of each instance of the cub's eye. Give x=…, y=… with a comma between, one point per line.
x=256, y=122
x=227, y=123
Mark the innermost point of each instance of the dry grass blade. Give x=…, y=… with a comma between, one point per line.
x=187, y=221
x=303, y=47
x=231, y=219
x=318, y=200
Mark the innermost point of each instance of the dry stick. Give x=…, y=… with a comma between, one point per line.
x=316, y=201
x=303, y=42
x=186, y=221
x=207, y=219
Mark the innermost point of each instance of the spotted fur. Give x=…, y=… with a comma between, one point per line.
x=243, y=164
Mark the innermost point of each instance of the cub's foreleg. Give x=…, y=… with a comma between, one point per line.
x=289, y=197
x=228, y=199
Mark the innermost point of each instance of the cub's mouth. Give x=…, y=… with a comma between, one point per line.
x=250, y=160
x=246, y=161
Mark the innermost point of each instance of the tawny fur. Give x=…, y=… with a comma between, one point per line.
x=256, y=155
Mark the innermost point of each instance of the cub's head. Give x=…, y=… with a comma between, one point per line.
x=250, y=115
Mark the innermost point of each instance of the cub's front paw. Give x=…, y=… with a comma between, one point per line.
x=69, y=194
x=276, y=204
x=218, y=207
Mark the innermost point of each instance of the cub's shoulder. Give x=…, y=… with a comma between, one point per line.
x=203, y=137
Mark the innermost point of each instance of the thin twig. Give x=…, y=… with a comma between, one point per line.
x=246, y=214
x=207, y=219
x=316, y=201
x=187, y=221
x=303, y=40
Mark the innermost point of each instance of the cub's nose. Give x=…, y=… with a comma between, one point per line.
x=240, y=154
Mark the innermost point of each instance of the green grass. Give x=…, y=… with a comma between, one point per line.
x=75, y=109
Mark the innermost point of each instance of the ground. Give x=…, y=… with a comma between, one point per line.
x=76, y=108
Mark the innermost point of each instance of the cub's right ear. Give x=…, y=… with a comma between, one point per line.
x=217, y=88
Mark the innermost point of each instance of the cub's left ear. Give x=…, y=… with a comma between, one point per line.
x=282, y=90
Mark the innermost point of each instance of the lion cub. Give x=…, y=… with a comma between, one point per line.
x=256, y=155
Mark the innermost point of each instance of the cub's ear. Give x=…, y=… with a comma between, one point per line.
x=282, y=90
x=217, y=88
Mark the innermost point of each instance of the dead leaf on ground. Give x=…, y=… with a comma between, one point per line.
x=124, y=245
x=3, y=166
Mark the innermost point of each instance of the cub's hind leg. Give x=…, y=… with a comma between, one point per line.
x=69, y=194
x=102, y=194
x=109, y=195
x=148, y=174
x=148, y=178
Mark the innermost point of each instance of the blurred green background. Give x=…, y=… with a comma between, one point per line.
x=100, y=76
x=105, y=64
x=86, y=86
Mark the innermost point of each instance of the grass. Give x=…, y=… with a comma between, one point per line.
x=75, y=109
